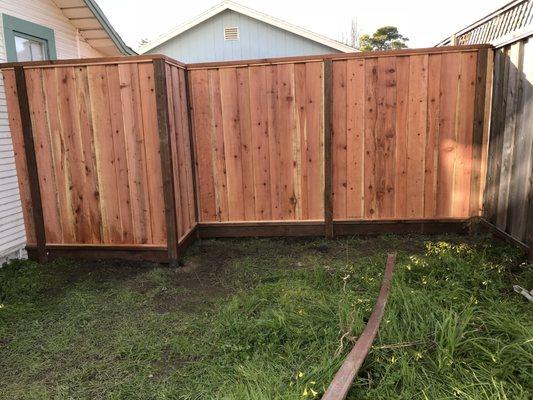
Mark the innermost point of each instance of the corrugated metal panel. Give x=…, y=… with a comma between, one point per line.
x=43, y=12
x=205, y=42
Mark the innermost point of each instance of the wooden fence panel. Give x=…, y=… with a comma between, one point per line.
x=509, y=191
x=415, y=157
x=403, y=142
x=97, y=150
x=128, y=148
x=259, y=142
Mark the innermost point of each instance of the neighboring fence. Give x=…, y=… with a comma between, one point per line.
x=406, y=134
x=509, y=190
x=105, y=152
x=130, y=157
x=508, y=24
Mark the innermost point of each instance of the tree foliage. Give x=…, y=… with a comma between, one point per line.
x=385, y=38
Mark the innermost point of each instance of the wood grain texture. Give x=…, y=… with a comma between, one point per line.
x=264, y=159
x=97, y=152
x=508, y=202
x=406, y=143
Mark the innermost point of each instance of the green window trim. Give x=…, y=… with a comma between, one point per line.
x=19, y=27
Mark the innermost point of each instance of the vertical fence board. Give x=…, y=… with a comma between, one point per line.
x=200, y=97
x=385, y=139
x=416, y=138
x=432, y=136
x=44, y=155
x=510, y=104
x=339, y=136
x=135, y=155
x=355, y=100
x=260, y=140
x=314, y=134
x=218, y=148
x=243, y=98
x=370, y=118
x=450, y=68
x=107, y=177
x=153, y=159
x=119, y=150
x=402, y=128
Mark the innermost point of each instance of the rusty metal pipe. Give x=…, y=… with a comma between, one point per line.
x=341, y=383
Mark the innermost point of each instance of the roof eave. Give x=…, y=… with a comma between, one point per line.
x=113, y=35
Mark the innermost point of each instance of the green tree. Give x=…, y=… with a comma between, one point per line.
x=385, y=38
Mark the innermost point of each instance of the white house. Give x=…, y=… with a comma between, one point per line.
x=35, y=30
x=230, y=31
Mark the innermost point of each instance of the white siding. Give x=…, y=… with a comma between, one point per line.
x=43, y=12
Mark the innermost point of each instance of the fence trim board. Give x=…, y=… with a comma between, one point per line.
x=340, y=228
x=167, y=169
x=99, y=253
x=95, y=60
x=338, y=56
x=31, y=161
x=188, y=105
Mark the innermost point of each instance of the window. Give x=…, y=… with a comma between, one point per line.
x=26, y=41
x=231, y=33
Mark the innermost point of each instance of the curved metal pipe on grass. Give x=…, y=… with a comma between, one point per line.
x=341, y=383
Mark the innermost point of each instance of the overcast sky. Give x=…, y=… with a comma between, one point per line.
x=424, y=22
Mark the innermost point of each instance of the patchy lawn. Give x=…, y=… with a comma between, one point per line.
x=271, y=319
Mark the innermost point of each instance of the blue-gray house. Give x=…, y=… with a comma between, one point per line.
x=230, y=31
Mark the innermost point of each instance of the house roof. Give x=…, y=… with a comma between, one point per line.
x=93, y=26
x=508, y=23
x=229, y=5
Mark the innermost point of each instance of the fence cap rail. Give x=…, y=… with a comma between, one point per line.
x=241, y=63
x=94, y=61
x=338, y=56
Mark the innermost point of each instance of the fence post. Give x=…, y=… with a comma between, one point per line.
x=31, y=163
x=328, y=151
x=167, y=170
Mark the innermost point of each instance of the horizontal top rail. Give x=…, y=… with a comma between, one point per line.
x=92, y=61
x=337, y=56
x=242, y=63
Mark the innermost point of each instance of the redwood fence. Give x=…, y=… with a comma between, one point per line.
x=134, y=157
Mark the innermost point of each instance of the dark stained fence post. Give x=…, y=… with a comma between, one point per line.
x=167, y=170
x=31, y=161
x=328, y=150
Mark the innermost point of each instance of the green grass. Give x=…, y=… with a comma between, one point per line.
x=271, y=319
